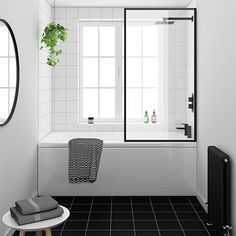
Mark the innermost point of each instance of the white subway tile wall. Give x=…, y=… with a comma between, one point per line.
x=45, y=74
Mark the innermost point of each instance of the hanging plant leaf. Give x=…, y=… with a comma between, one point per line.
x=52, y=35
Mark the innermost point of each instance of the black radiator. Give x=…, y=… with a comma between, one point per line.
x=218, y=188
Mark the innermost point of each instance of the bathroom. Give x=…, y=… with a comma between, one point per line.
x=155, y=133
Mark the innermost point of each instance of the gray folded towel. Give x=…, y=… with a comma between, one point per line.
x=36, y=205
x=27, y=219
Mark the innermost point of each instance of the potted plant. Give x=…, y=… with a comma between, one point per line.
x=52, y=35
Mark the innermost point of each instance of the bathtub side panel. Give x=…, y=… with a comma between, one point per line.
x=123, y=171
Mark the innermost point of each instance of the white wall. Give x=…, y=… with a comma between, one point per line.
x=216, y=86
x=45, y=74
x=18, y=140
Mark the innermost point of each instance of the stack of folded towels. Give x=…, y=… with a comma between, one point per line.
x=37, y=209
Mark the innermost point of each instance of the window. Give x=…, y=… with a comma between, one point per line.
x=101, y=71
x=8, y=70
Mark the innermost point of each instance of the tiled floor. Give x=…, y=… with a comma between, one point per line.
x=133, y=216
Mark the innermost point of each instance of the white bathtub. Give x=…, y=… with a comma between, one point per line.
x=125, y=168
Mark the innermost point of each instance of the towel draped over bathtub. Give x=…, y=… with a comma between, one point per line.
x=84, y=159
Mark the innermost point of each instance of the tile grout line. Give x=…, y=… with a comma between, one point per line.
x=150, y=200
x=131, y=205
x=71, y=204
x=198, y=216
x=111, y=217
x=88, y=217
x=176, y=216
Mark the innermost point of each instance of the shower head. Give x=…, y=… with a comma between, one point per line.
x=164, y=22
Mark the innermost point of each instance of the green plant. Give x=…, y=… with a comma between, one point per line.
x=52, y=35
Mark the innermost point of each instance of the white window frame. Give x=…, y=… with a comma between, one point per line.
x=118, y=70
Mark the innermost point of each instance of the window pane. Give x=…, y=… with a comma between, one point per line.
x=3, y=103
x=150, y=41
x=12, y=96
x=107, y=41
x=107, y=72
x=150, y=72
x=12, y=72
x=133, y=38
x=90, y=72
x=3, y=40
x=134, y=72
x=107, y=103
x=150, y=101
x=4, y=72
x=90, y=41
x=134, y=104
x=90, y=103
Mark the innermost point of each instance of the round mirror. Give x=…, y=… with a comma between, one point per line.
x=9, y=72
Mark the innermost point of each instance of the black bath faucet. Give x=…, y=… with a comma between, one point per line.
x=187, y=130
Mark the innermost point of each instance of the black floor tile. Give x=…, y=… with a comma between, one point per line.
x=145, y=225
x=80, y=207
x=196, y=233
x=187, y=215
x=203, y=216
x=183, y=208
x=165, y=216
x=97, y=215
x=140, y=200
x=172, y=233
x=147, y=233
x=162, y=208
x=54, y=233
x=144, y=215
x=75, y=225
x=192, y=225
x=193, y=200
x=121, y=200
x=122, y=215
x=102, y=200
x=99, y=225
x=83, y=200
x=215, y=233
x=160, y=200
x=179, y=200
x=122, y=225
x=198, y=208
x=72, y=233
x=98, y=233
x=78, y=216
x=122, y=233
x=58, y=228
x=169, y=225
x=101, y=207
x=121, y=207
x=64, y=200
x=142, y=208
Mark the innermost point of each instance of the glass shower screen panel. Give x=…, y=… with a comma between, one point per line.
x=160, y=78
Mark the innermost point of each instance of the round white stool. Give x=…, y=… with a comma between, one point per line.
x=37, y=226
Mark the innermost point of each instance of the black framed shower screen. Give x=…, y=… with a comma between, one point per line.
x=137, y=135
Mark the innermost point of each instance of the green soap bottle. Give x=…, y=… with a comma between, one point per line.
x=146, y=117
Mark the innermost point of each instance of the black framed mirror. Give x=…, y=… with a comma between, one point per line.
x=9, y=72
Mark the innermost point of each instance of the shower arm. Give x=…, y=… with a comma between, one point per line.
x=177, y=18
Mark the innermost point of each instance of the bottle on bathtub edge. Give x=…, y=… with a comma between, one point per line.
x=154, y=117
x=146, y=117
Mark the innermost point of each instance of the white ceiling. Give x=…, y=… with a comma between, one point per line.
x=122, y=3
